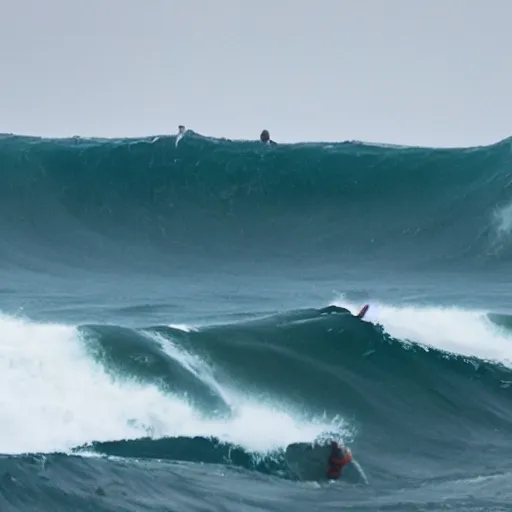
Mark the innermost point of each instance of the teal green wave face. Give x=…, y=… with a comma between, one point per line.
x=345, y=203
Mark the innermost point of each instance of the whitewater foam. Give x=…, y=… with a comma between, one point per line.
x=191, y=363
x=454, y=330
x=54, y=397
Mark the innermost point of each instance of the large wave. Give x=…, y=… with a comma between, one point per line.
x=242, y=393
x=108, y=203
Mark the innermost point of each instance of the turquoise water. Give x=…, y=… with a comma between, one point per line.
x=161, y=338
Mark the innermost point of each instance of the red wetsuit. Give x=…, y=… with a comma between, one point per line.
x=337, y=460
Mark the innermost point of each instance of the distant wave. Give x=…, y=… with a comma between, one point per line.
x=95, y=203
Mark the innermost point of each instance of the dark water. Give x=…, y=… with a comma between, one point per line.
x=161, y=344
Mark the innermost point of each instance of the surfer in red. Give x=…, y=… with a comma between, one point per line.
x=339, y=458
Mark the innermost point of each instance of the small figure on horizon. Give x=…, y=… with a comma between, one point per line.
x=181, y=133
x=265, y=137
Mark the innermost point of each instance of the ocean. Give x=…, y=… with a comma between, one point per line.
x=162, y=345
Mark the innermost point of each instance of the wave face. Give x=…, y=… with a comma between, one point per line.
x=109, y=203
x=237, y=396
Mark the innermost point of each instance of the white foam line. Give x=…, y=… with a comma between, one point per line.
x=454, y=330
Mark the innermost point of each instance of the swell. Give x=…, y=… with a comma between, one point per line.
x=90, y=202
x=394, y=395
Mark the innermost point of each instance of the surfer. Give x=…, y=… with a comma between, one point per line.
x=265, y=137
x=338, y=309
x=181, y=133
x=340, y=457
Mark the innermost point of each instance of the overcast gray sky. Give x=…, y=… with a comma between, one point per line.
x=436, y=72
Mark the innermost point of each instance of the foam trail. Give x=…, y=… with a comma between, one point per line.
x=454, y=330
x=192, y=363
x=54, y=396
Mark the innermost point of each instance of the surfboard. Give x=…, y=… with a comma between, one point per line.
x=308, y=462
x=363, y=311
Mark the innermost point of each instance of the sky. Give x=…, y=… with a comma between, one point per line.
x=434, y=73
